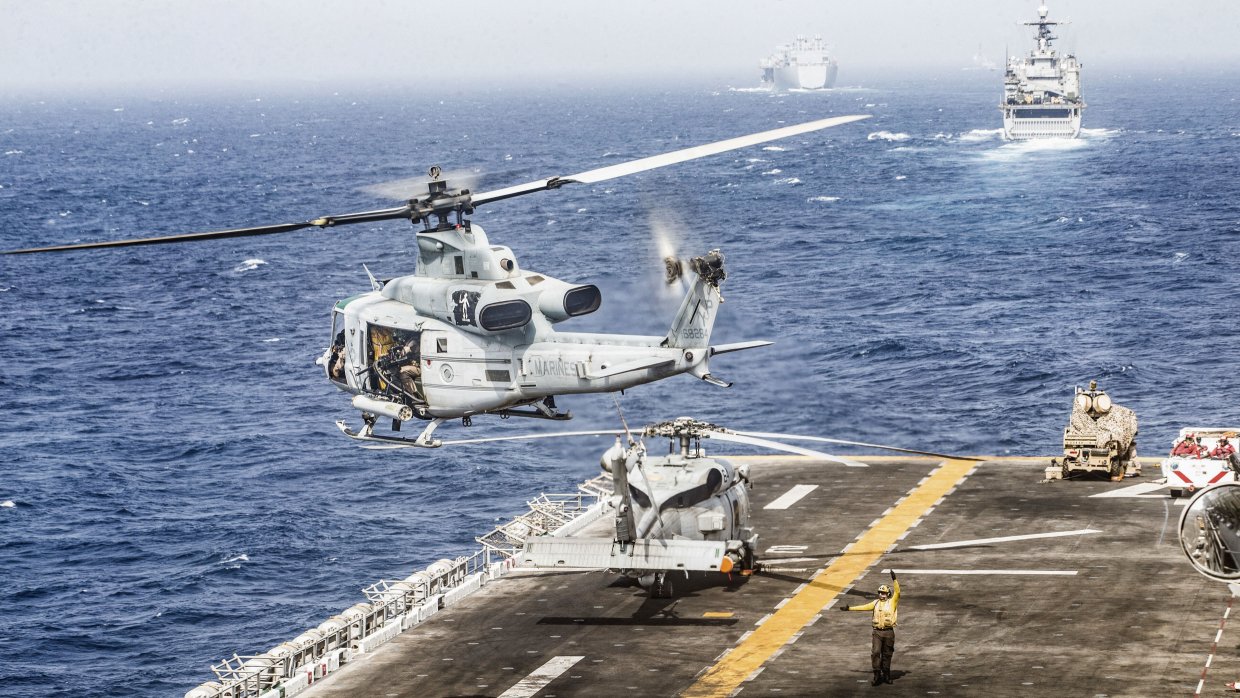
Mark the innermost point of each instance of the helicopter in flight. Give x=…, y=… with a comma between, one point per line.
x=470, y=332
x=674, y=514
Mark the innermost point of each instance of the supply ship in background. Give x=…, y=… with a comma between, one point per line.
x=1042, y=91
x=802, y=65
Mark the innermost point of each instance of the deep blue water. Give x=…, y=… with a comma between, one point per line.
x=175, y=489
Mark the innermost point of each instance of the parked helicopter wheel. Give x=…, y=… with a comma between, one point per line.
x=663, y=587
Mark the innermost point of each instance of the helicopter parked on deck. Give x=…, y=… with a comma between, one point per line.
x=674, y=514
x=470, y=332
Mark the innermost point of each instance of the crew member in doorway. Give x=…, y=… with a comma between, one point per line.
x=883, y=639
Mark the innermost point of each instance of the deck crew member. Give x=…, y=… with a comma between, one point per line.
x=1187, y=447
x=883, y=639
x=1223, y=449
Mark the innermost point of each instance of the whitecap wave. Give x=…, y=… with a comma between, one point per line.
x=822, y=199
x=1017, y=149
x=1099, y=132
x=271, y=340
x=942, y=136
x=749, y=89
x=250, y=265
x=237, y=558
x=981, y=134
x=774, y=148
x=12, y=152
x=8, y=504
x=887, y=136
x=788, y=180
x=181, y=121
x=1179, y=257
x=899, y=177
x=773, y=172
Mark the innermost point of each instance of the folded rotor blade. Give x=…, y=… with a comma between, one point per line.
x=822, y=439
x=527, y=437
x=324, y=222
x=776, y=446
x=634, y=166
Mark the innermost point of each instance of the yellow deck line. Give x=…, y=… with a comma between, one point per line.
x=747, y=657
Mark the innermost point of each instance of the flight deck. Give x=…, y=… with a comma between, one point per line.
x=1010, y=586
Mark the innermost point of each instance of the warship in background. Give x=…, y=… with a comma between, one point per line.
x=1042, y=92
x=804, y=64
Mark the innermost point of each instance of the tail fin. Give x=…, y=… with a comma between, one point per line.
x=696, y=317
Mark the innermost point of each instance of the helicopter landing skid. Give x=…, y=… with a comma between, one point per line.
x=424, y=439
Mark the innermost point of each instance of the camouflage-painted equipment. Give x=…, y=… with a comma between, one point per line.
x=1100, y=437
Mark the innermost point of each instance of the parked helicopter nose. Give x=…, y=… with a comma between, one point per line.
x=612, y=458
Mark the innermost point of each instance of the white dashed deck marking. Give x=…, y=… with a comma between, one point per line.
x=540, y=677
x=1140, y=490
x=791, y=497
x=786, y=549
x=1003, y=539
x=1218, y=636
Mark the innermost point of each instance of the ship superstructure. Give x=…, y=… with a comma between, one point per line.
x=804, y=64
x=1042, y=91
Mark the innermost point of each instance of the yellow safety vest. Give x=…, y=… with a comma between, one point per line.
x=884, y=611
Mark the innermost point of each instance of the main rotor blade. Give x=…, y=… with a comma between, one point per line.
x=324, y=222
x=587, y=177
x=823, y=439
x=776, y=446
x=634, y=166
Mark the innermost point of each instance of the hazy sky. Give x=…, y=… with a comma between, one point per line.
x=62, y=44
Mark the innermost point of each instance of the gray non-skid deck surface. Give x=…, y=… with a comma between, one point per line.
x=1135, y=620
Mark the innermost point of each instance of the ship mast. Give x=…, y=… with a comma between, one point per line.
x=1044, y=36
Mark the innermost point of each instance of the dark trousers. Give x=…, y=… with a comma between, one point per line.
x=883, y=646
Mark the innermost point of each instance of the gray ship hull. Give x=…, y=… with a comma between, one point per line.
x=1030, y=121
x=814, y=76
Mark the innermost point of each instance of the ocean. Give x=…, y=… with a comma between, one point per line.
x=174, y=489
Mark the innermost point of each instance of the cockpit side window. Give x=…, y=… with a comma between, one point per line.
x=336, y=355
